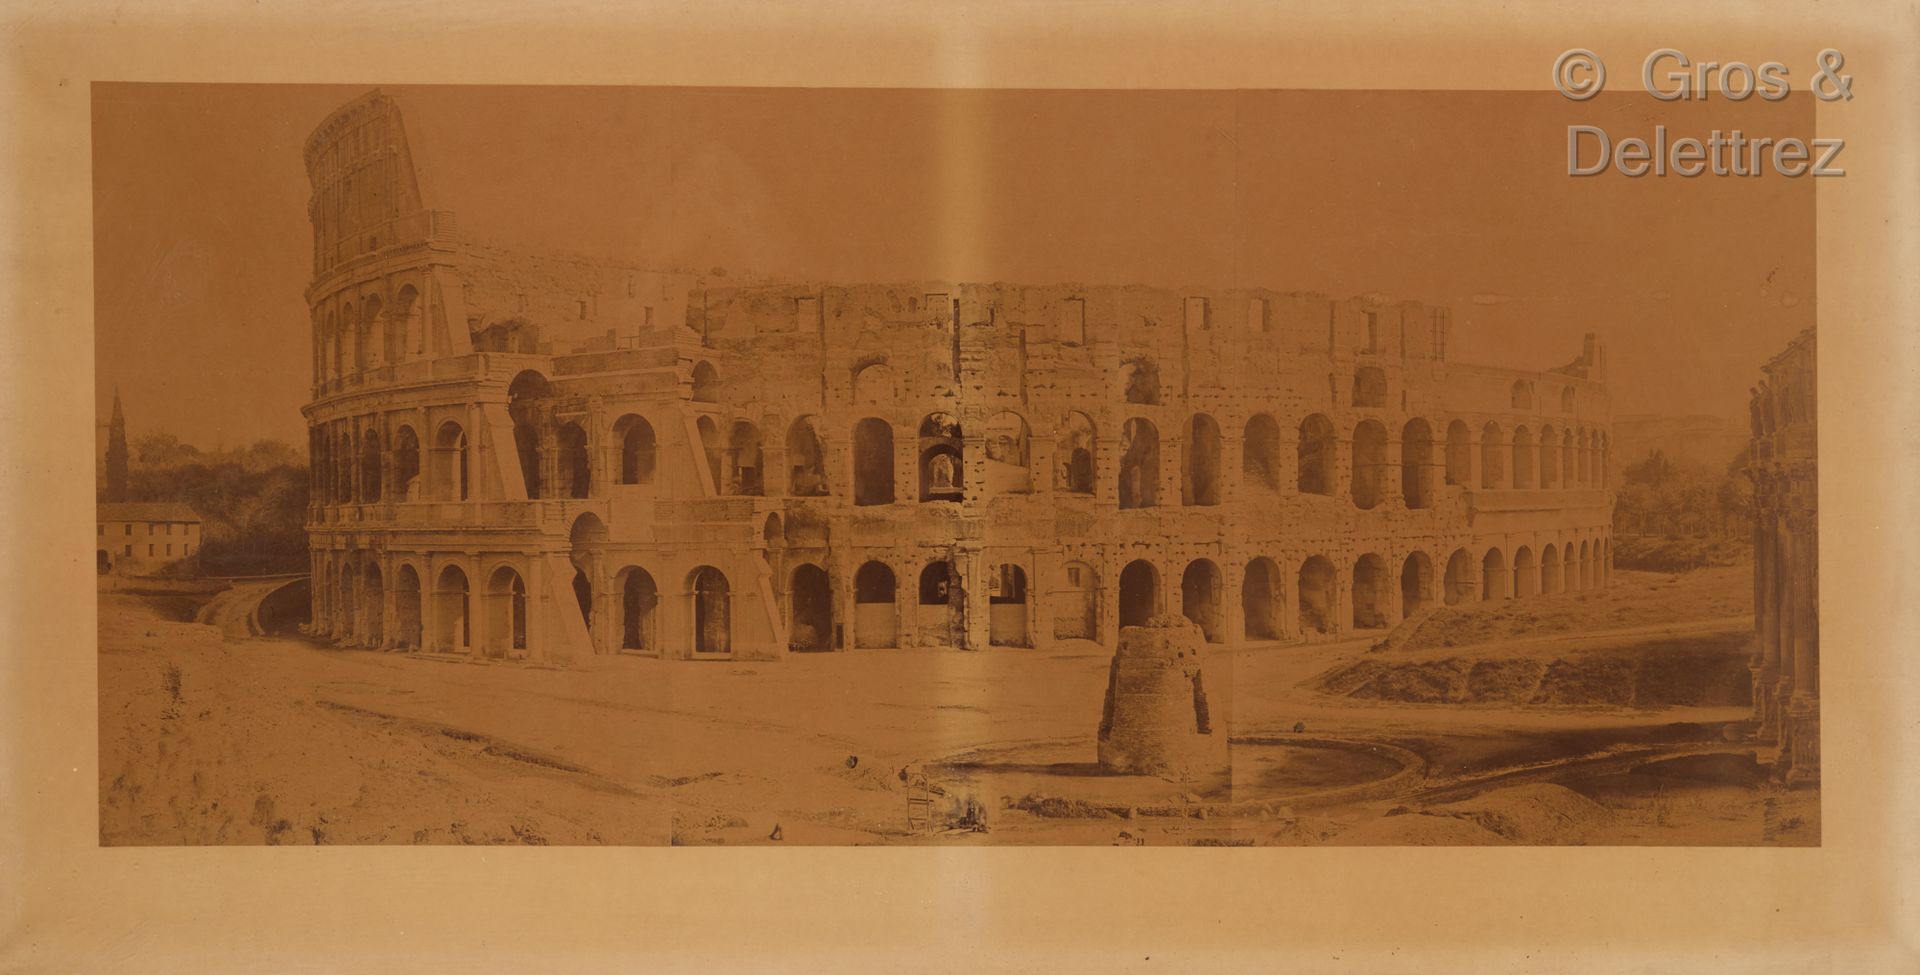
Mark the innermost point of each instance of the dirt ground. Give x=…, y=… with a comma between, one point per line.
x=208, y=738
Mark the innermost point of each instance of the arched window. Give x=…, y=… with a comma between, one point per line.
x=1139, y=463
x=406, y=465
x=1139, y=593
x=1522, y=458
x=576, y=464
x=1260, y=453
x=1315, y=595
x=409, y=333
x=1493, y=575
x=450, y=462
x=872, y=462
x=1369, y=592
x=937, y=583
x=1549, y=457
x=810, y=600
x=525, y=397
x=744, y=462
x=1460, y=582
x=1315, y=460
x=1009, y=461
x=370, y=466
x=873, y=385
x=1142, y=379
x=639, y=598
x=1493, y=458
x=1522, y=395
x=712, y=611
x=706, y=383
x=942, y=465
x=506, y=612
x=1074, y=453
x=1260, y=606
x=637, y=448
x=1369, y=462
x=1526, y=575
x=450, y=620
x=1416, y=459
x=875, y=595
x=1459, y=454
x=1200, y=467
x=806, y=461
x=1200, y=599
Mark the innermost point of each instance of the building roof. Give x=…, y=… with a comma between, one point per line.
x=146, y=511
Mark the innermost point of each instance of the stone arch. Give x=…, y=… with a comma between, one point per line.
x=1200, y=462
x=1522, y=458
x=639, y=605
x=1139, y=593
x=746, y=461
x=1369, y=463
x=505, y=605
x=705, y=383
x=1566, y=399
x=1493, y=575
x=1076, y=608
x=1260, y=453
x=639, y=448
x=407, y=324
x=1459, y=454
x=1074, y=453
x=1139, y=463
x=876, y=619
x=942, y=462
x=576, y=460
x=1459, y=582
x=1009, y=454
x=1549, y=457
x=1200, y=600
x=1522, y=395
x=1370, y=592
x=806, y=459
x=1315, y=595
x=712, y=611
x=370, y=457
x=373, y=591
x=1550, y=576
x=1585, y=466
x=1586, y=566
x=1416, y=460
x=450, y=462
x=1569, y=459
x=1416, y=583
x=942, y=589
x=1526, y=573
x=1315, y=460
x=367, y=339
x=525, y=398
x=1007, y=607
x=873, y=385
x=407, y=607
x=451, y=617
x=1493, y=460
x=406, y=464
x=810, y=604
x=873, y=479
x=1260, y=605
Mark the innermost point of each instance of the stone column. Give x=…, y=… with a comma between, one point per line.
x=1784, y=623
x=1767, y=673
x=1803, y=712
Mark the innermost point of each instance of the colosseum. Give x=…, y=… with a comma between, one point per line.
x=548, y=457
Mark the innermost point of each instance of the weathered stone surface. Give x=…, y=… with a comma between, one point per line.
x=1157, y=719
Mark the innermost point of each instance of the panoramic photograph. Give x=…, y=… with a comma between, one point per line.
x=762, y=466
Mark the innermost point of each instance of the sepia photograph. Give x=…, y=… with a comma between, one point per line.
x=695, y=466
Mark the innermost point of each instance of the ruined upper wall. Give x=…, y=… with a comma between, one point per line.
x=365, y=191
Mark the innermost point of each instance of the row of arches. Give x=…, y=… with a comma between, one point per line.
x=1526, y=459
x=355, y=337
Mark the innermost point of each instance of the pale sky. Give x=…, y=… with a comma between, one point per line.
x=202, y=249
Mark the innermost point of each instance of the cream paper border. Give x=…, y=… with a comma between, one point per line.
x=68, y=905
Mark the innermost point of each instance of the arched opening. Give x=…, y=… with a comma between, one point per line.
x=1370, y=592
x=450, y=611
x=942, y=619
x=1009, y=464
x=506, y=613
x=942, y=469
x=706, y=383
x=370, y=466
x=347, y=604
x=1416, y=459
x=1142, y=380
x=806, y=461
x=711, y=449
x=1369, y=387
x=1369, y=462
x=343, y=354
x=744, y=462
x=638, y=448
x=1007, y=606
x=1550, y=570
x=1416, y=584
x=639, y=599
x=586, y=541
x=810, y=628
x=366, y=342
x=1569, y=459
x=1586, y=566
x=1493, y=575
x=583, y=596
x=1459, y=454
x=343, y=488
x=1526, y=575
x=406, y=465
x=1200, y=464
x=1315, y=460
x=1139, y=593
x=1076, y=607
x=1586, y=458
x=525, y=406
x=374, y=598
x=409, y=333
x=1139, y=463
x=1461, y=586
x=1522, y=458
x=1200, y=598
x=1260, y=606
x=1315, y=595
x=872, y=461
x=712, y=612
x=1260, y=453
x=1522, y=395
x=1566, y=400
x=1074, y=452
x=406, y=608
x=876, y=621
x=1549, y=457
x=1493, y=458
x=576, y=464
x=450, y=461
x=873, y=385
